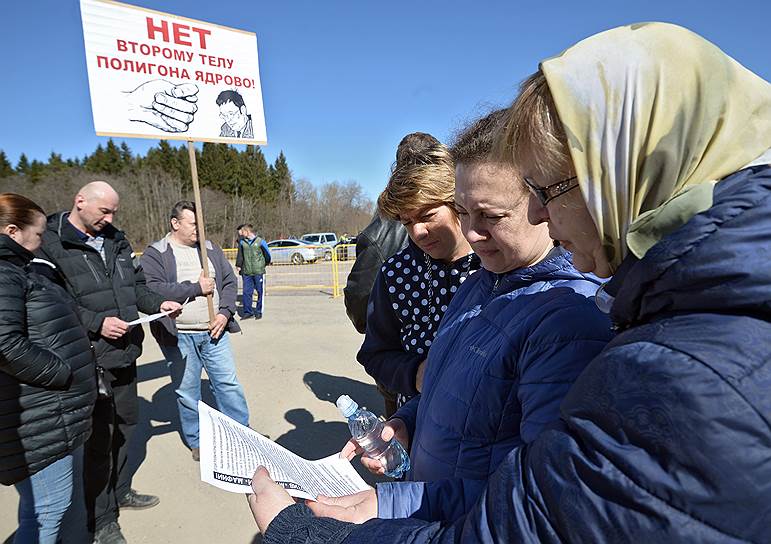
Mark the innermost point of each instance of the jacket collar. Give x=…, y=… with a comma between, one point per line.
x=162, y=245
x=14, y=253
x=59, y=223
x=717, y=262
x=557, y=265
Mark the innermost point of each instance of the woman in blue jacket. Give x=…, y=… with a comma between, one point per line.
x=646, y=150
x=513, y=340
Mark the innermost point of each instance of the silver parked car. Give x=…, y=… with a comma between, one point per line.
x=293, y=252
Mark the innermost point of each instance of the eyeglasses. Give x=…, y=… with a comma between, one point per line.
x=550, y=192
x=229, y=114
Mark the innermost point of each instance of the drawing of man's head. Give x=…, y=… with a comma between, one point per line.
x=233, y=110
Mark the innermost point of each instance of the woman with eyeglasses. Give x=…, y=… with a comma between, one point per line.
x=47, y=379
x=665, y=437
x=513, y=340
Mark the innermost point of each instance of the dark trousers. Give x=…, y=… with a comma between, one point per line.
x=250, y=285
x=105, y=467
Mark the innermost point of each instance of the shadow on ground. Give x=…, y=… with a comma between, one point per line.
x=158, y=415
x=316, y=439
x=327, y=387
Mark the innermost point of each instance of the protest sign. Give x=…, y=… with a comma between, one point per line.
x=156, y=75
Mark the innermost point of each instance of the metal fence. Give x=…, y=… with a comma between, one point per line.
x=326, y=271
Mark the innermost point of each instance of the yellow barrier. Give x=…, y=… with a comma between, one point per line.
x=326, y=269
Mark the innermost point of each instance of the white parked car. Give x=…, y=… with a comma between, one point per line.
x=328, y=239
x=294, y=252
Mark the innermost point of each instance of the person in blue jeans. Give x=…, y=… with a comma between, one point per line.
x=47, y=379
x=252, y=258
x=172, y=266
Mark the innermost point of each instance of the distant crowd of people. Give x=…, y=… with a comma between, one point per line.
x=567, y=310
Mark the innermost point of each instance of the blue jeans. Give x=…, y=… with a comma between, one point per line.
x=44, y=498
x=251, y=284
x=196, y=351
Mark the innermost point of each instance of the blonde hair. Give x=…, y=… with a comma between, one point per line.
x=532, y=130
x=423, y=176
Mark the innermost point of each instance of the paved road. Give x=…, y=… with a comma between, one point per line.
x=293, y=364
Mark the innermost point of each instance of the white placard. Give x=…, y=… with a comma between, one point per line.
x=156, y=75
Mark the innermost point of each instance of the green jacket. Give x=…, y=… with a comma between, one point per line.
x=253, y=256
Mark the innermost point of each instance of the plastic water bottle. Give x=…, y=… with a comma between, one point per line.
x=367, y=430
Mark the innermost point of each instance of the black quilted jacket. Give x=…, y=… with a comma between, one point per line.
x=115, y=288
x=47, y=373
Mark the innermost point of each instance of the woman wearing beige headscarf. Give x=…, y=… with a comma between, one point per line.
x=645, y=149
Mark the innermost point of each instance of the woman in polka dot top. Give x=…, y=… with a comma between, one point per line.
x=415, y=286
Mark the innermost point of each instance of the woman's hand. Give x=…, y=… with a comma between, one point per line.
x=356, y=508
x=393, y=428
x=268, y=499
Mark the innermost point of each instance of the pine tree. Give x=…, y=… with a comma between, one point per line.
x=281, y=178
x=113, y=160
x=96, y=162
x=253, y=173
x=55, y=163
x=6, y=169
x=126, y=158
x=23, y=165
x=36, y=171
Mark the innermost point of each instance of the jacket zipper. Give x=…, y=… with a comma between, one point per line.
x=91, y=268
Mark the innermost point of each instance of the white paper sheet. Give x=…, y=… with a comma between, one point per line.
x=148, y=318
x=230, y=453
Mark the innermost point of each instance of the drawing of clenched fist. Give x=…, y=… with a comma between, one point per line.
x=163, y=104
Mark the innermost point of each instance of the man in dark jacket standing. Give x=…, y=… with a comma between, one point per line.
x=96, y=261
x=192, y=343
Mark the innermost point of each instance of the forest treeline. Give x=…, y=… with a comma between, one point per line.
x=237, y=186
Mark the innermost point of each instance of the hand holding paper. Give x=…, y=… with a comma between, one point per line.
x=172, y=308
x=230, y=454
x=268, y=499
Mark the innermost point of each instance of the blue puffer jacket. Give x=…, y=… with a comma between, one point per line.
x=507, y=351
x=666, y=436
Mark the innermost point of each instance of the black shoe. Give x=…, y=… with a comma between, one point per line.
x=109, y=534
x=247, y=316
x=258, y=316
x=196, y=454
x=134, y=500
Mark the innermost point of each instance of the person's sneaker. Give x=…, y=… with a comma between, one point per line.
x=134, y=500
x=109, y=534
x=247, y=316
x=196, y=454
x=258, y=316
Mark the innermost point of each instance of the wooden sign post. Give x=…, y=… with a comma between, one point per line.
x=159, y=75
x=200, y=226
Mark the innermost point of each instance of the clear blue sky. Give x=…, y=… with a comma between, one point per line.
x=343, y=81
